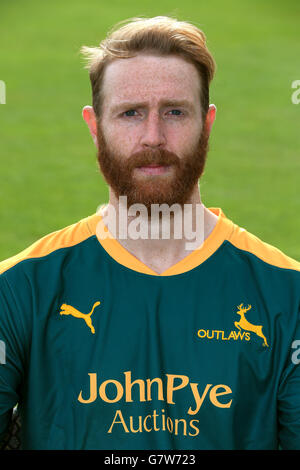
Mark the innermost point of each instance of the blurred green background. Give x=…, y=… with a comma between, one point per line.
x=49, y=174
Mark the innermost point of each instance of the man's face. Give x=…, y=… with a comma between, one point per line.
x=151, y=140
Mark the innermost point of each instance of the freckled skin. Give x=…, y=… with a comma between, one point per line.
x=150, y=79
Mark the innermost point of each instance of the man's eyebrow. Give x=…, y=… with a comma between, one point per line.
x=144, y=104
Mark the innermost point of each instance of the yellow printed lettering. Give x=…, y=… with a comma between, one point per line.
x=214, y=394
x=201, y=333
x=129, y=385
x=93, y=390
x=232, y=334
x=145, y=425
x=121, y=421
x=160, y=394
x=171, y=388
x=198, y=399
x=194, y=427
x=102, y=391
x=140, y=428
x=183, y=421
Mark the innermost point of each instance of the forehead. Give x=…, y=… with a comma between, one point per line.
x=150, y=78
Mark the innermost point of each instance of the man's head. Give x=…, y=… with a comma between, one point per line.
x=151, y=117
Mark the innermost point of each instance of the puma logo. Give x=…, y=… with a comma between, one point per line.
x=69, y=310
x=245, y=325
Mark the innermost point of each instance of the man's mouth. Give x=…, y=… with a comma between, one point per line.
x=154, y=169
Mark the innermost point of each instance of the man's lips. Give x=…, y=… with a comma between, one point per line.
x=154, y=169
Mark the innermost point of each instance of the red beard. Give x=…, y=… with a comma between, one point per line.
x=174, y=188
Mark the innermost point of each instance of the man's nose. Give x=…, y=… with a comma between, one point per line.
x=153, y=132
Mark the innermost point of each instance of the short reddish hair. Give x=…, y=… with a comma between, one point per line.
x=161, y=35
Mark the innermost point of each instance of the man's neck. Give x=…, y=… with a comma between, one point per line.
x=159, y=239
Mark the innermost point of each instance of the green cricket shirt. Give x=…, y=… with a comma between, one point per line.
x=101, y=352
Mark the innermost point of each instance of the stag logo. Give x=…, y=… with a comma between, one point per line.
x=244, y=324
x=69, y=310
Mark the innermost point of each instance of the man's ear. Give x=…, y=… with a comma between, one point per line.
x=210, y=117
x=89, y=116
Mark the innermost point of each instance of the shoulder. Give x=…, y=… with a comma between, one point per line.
x=247, y=243
x=250, y=243
x=66, y=237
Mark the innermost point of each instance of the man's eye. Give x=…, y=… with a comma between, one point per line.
x=176, y=112
x=129, y=113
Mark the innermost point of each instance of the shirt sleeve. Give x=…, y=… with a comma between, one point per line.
x=12, y=358
x=289, y=397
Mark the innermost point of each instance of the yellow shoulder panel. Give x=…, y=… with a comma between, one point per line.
x=63, y=238
x=244, y=240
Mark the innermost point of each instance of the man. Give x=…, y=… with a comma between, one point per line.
x=122, y=334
